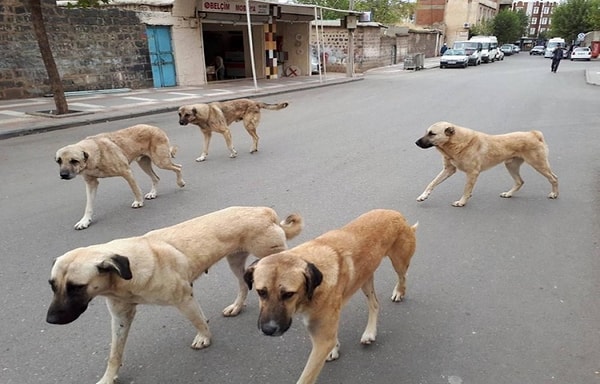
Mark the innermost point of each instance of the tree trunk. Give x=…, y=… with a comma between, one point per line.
x=56, y=86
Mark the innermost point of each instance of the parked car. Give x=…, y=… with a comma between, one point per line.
x=507, y=49
x=537, y=50
x=454, y=58
x=516, y=48
x=499, y=55
x=472, y=50
x=581, y=53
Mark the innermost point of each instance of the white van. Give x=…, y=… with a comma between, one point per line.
x=554, y=43
x=472, y=50
x=489, y=49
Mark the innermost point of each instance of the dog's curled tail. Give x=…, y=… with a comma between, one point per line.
x=173, y=151
x=273, y=107
x=292, y=225
x=415, y=226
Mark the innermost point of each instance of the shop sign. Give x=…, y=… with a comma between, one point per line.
x=234, y=6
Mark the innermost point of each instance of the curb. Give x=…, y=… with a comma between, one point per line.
x=108, y=116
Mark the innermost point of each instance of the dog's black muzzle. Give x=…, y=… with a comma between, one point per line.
x=422, y=143
x=183, y=122
x=66, y=175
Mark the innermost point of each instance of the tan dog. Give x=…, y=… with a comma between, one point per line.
x=318, y=277
x=218, y=116
x=160, y=268
x=110, y=154
x=473, y=152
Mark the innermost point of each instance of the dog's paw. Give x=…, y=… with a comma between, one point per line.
x=506, y=195
x=423, y=197
x=201, y=158
x=137, y=204
x=181, y=184
x=397, y=297
x=83, y=223
x=150, y=195
x=367, y=338
x=458, y=203
x=553, y=195
x=105, y=380
x=335, y=353
x=232, y=310
x=201, y=341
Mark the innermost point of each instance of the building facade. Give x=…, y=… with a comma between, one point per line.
x=540, y=16
x=454, y=17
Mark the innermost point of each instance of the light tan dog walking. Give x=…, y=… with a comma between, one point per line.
x=160, y=268
x=474, y=152
x=317, y=278
x=110, y=154
x=218, y=116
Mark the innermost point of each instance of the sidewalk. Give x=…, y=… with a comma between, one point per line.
x=19, y=118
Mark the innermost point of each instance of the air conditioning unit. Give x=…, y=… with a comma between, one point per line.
x=466, y=25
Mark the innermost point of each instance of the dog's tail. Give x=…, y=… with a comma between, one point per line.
x=273, y=107
x=292, y=225
x=539, y=136
x=173, y=151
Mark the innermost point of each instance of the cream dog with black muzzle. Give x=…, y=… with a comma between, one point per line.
x=110, y=154
x=160, y=268
x=474, y=152
x=318, y=277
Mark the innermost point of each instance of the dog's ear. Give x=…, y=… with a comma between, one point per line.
x=313, y=278
x=249, y=274
x=85, y=155
x=449, y=131
x=118, y=264
x=195, y=111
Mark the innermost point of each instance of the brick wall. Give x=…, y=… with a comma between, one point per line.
x=93, y=49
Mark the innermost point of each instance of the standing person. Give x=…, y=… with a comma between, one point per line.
x=219, y=68
x=557, y=56
x=443, y=49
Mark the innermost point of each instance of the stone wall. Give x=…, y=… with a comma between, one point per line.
x=374, y=46
x=93, y=49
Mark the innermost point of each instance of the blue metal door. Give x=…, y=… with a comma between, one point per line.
x=161, y=55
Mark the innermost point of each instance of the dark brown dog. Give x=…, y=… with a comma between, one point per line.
x=218, y=116
x=474, y=152
x=318, y=277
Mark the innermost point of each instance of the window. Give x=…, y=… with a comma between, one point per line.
x=536, y=10
x=534, y=20
x=544, y=21
x=531, y=31
x=546, y=10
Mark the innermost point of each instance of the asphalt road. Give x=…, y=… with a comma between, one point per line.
x=502, y=291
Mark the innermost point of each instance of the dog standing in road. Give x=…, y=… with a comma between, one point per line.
x=160, y=268
x=318, y=277
x=110, y=154
x=473, y=152
x=218, y=116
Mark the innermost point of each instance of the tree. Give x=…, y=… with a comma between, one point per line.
x=508, y=26
x=593, y=17
x=39, y=28
x=485, y=28
x=571, y=18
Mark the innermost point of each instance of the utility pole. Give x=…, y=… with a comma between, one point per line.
x=351, y=26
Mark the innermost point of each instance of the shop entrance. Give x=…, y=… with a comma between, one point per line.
x=224, y=47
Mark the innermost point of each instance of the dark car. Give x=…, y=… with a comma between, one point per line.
x=537, y=50
x=508, y=49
